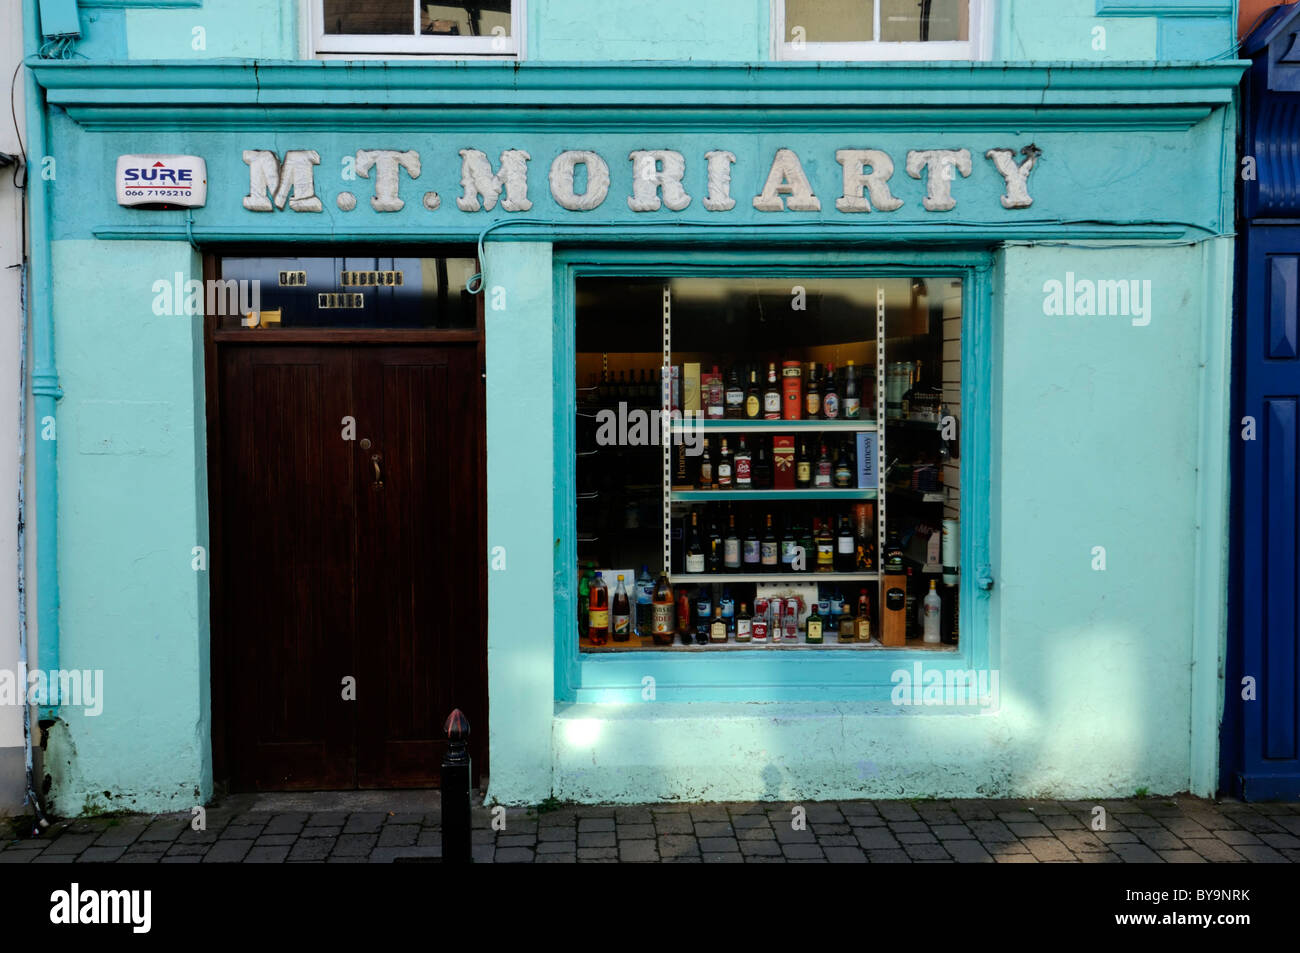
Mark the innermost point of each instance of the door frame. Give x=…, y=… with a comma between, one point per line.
x=214, y=340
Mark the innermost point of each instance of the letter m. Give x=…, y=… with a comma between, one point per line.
x=267, y=174
x=1109, y=294
x=223, y=297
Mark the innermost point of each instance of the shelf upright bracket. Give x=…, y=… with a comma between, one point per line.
x=665, y=426
x=881, y=455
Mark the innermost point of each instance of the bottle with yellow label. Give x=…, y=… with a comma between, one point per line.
x=814, y=627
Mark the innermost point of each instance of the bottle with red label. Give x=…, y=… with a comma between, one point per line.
x=830, y=395
x=598, y=613
x=758, y=628
x=742, y=467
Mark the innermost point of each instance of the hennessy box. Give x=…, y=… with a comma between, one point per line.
x=868, y=478
x=691, y=388
x=783, y=463
x=684, y=468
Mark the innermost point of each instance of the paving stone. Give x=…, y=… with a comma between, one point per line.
x=143, y=858
x=925, y=852
x=636, y=831
x=756, y=834
x=869, y=821
x=715, y=858
x=938, y=814
x=824, y=830
x=755, y=822
x=257, y=818
x=1184, y=827
x=1029, y=829
x=897, y=811
x=968, y=852
x=1181, y=857
x=803, y=851
x=189, y=850
x=1099, y=857
x=71, y=843
x=275, y=840
x=556, y=834
x=267, y=854
x=633, y=815
x=100, y=855
x=597, y=839
x=482, y=853
x=1277, y=841
x=228, y=851
x=1136, y=853
x=926, y=838
x=1291, y=824
x=482, y=835
x=567, y=857
x=718, y=845
x=417, y=818
x=1260, y=854
x=1048, y=848
x=678, y=845
x=845, y=854
x=1081, y=841
x=321, y=831
x=838, y=840
x=947, y=832
x=888, y=857
x=181, y=859
x=513, y=855
x=1160, y=839
x=123, y=834
x=1017, y=817
x=824, y=813
x=243, y=831
x=210, y=836
x=787, y=835
x=286, y=824
x=709, y=812
x=517, y=840
x=713, y=829
x=1136, y=821
x=909, y=827
x=429, y=839
x=1237, y=837
x=674, y=824
x=556, y=847
x=327, y=819
x=363, y=823
x=1062, y=822
x=761, y=848
x=591, y=824
x=401, y=835
x=1015, y=858
x=973, y=811
x=356, y=845
x=991, y=831
x=876, y=839
x=637, y=851
x=1116, y=837
x=392, y=855
x=597, y=853
x=312, y=849
x=1215, y=851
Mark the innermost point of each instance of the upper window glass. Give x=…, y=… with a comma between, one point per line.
x=405, y=27
x=879, y=29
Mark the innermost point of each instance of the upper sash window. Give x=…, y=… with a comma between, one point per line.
x=881, y=29
x=410, y=27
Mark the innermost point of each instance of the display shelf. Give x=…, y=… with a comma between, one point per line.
x=704, y=496
x=916, y=496
x=774, y=426
x=777, y=577
x=646, y=644
x=912, y=423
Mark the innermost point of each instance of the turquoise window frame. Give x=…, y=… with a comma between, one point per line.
x=764, y=674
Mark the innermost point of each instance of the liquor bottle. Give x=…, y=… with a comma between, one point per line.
x=734, y=395
x=715, y=403
x=584, y=599
x=893, y=553
x=825, y=545
x=694, y=546
x=742, y=466
x=717, y=628
x=824, y=470
x=848, y=625
x=683, y=616
x=772, y=396
x=769, y=555
x=703, y=615
x=809, y=547
x=788, y=545
x=762, y=467
x=753, y=551
x=812, y=395
x=865, y=558
x=727, y=606
x=931, y=613
x=598, y=613
x=753, y=398
x=706, y=466
x=621, y=390
x=863, y=633
x=723, y=470
x=951, y=615
x=731, y=546
x=761, y=622
x=621, y=628
x=802, y=467
x=845, y=554
x=744, y=624
x=790, y=621
x=842, y=472
x=645, y=597
x=661, y=612
x=715, y=552
x=605, y=389
x=814, y=628
x=830, y=395
x=911, y=608
x=852, y=399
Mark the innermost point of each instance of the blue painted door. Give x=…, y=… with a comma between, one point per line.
x=1262, y=714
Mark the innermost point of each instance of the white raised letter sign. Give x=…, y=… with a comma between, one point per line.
x=476, y=179
x=386, y=162
x=266, y=173
x=648, y=180
x=562, y=180
x=787, y=178
x=876, y=182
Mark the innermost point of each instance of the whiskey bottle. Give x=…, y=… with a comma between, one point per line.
x=742, y=465
x=814, y=628
x=848, y=625
x=852, y=399
x=845, y=555
x=772, y=396
x=823, y=472
x=812, y=399
x=706, y=466
x=753, y=398
x=723, y=470
x=694, y=546
x=744, y=624
x=863, y=633
x=802, y=467
x=718, y=627
x=762, y=466
x=734, y=396
x=842, y=473
x=825, y=543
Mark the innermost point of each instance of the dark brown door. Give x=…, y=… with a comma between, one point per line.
x=350, y=568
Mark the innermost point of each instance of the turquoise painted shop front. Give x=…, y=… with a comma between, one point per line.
x=1080, y=432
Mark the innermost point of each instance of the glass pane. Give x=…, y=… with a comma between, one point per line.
x=921, y=20
x=826, y=21
x=352, y=292
x=369, y=17
x=773, y=488
x=491, y=18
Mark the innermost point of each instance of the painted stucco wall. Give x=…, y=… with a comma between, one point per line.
x=1099, y=446
x=727, y=30
x=132, y=505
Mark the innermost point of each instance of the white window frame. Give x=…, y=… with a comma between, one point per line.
x=395, y=46
x=978, y=47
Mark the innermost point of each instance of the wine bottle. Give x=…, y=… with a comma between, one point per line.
x=694, y=546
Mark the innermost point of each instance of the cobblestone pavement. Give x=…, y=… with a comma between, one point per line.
x=385, y=827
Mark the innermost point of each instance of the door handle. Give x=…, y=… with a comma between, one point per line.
x=379, y=473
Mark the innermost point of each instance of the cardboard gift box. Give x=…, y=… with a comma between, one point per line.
x=783, y=463
x=691, y=388
x=868, y=478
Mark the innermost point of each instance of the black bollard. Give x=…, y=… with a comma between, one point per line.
x=455, y=792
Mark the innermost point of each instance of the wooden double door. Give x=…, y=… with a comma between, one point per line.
x=351, y=560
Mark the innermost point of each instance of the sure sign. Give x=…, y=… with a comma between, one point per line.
x=162, y=181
